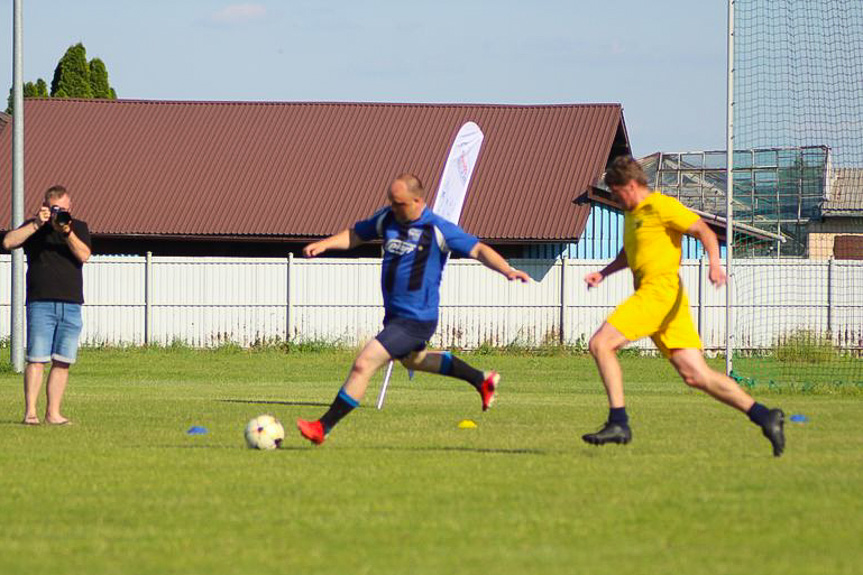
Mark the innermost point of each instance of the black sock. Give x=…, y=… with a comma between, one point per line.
x=454, y=367
x=618, y=415
x=342, y=405
x=758, y=413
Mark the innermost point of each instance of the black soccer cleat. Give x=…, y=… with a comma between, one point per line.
x=773, y=430
x=610, y=433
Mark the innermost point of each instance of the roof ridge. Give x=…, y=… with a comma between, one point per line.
x=102, y=101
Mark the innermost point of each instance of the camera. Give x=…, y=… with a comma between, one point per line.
x=61, y=216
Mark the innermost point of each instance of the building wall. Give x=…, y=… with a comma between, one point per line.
x=602, y=239
x=822, y=235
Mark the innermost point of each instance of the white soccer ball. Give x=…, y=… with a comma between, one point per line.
x=264, y=432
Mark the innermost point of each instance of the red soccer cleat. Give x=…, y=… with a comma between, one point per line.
x=488, y=389
x=312, y=430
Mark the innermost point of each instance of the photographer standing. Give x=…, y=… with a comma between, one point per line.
x=57, y=247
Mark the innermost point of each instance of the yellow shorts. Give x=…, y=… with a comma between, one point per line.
x=659, y=308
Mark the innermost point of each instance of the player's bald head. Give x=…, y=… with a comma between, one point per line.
x=412, y=184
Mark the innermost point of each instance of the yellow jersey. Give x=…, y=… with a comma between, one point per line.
x=652, y=232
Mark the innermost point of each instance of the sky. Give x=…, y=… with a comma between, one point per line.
x=664, y=61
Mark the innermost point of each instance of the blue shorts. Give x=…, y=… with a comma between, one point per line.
x=53, y=328
x=401, y=337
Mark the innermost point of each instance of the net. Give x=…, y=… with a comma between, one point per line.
x=798, y=173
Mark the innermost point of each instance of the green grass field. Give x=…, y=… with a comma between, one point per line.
x=403, y=490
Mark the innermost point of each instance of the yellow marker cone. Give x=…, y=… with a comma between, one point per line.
x=466, y=424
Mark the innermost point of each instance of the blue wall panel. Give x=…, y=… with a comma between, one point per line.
x=602, y=239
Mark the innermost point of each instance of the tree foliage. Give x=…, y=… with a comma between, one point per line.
x=39, y=89
x=74, y=77
x=99, y=80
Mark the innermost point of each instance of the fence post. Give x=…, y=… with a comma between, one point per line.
x=148, y=298
x=831, y=270
x=701, y=298
x=564, y=301
x=289, y=312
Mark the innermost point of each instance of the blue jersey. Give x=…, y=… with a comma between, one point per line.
x=414, y=257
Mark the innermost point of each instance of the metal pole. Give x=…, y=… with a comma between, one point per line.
x=701, y=297
x=831, y=314
x=564, y=301
x=289, y=304
x=148, y=298
x=729, y=194
x=17, y=311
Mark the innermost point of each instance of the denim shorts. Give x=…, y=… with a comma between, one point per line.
x=53, y=328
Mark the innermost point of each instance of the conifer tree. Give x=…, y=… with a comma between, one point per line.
x=72, y=75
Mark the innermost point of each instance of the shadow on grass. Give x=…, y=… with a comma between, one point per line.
x=309, y=448
x=496, y=450
x=20, y=423
x=266, y=402
x=221, y=447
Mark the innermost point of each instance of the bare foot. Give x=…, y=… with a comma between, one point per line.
x=60, y=421
x=30, y=420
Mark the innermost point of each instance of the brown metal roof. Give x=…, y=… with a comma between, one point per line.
x=300, y=170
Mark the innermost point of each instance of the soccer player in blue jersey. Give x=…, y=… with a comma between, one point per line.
x=416, y=242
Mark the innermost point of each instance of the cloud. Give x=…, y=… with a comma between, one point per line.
x=239, y=13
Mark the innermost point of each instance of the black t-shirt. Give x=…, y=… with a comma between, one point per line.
x=53, y=272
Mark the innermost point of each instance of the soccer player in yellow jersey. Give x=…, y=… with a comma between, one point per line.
x=653, y=227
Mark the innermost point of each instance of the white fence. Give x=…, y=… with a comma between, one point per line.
x=209, y=301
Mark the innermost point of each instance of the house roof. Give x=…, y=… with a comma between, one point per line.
x=846, y=193
x=271, y=170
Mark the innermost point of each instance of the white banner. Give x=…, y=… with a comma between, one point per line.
x=457, y=172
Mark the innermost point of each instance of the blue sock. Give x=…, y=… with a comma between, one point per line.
x=445, y=363
x=758, y=413
x=455, y=367
x=618, y=415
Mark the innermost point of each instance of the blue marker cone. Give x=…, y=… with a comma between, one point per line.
x=799, y=418
x=197, y=430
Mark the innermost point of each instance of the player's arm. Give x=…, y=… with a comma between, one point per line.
x=708, y=239
x=617, y=264
x=344, y=240
x=77, y=246
x=16, y=238
x=79, y=249
x=494, y=261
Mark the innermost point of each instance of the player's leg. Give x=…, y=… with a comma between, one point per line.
x=372, y=357
x=33, y=374
x=691, y=366
x=603, y=347
x=695, y=372
x=64, y=353
x=41, y=326
x=56, y=387
x=445, y=363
